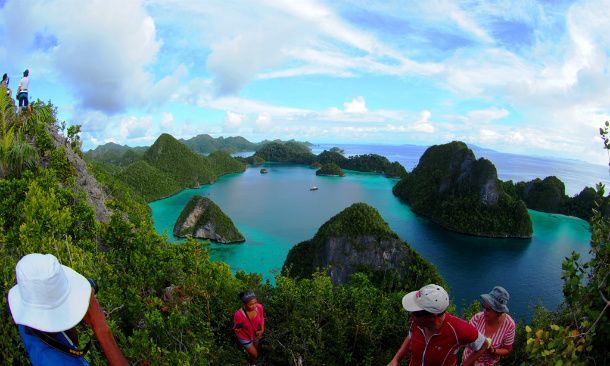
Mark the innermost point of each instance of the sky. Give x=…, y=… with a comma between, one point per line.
x=526, y=77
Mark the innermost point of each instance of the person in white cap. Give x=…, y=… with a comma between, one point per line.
x=435, y=336
x=47, y=303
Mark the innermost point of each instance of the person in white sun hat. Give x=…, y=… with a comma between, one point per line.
x=47, y=303
x=434, y=336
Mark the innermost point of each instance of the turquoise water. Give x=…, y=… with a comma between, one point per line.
x=275, y=211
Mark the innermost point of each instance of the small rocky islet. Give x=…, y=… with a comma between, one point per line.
x=201, y=218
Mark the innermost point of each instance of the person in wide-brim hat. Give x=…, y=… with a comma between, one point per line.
x=496, y=324
x=48, y=296
x=47, y=302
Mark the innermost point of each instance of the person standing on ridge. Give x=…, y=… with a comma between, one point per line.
x=47, y=303
x=22, y=91
x=495, y=323
x=5, y=81
x=249, y=325
x=435, y=336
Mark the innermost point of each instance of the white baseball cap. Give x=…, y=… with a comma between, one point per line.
x=48, y=296
x=431, y=298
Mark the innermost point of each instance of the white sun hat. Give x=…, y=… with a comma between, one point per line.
x=48, y=296
x=431, y=298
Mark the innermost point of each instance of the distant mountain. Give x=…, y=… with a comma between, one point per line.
x=115, y=154
x=457, y=191
x=359, y=240
x=205, y=144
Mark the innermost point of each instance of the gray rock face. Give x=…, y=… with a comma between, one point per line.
x=344, y=257
x=96, y=196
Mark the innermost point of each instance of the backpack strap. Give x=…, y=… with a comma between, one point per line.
x=52, y=342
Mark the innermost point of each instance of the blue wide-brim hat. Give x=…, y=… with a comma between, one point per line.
x=497, y=299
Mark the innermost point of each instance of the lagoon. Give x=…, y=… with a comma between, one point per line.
x=277, y=210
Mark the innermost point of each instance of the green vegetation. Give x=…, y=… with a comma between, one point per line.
x=170, y=304
x=167, y=167
x=462, y=194
x=148, y=181
x=330, y=169
x=209, y=222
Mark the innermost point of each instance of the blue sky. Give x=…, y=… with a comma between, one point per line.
x=528, y=77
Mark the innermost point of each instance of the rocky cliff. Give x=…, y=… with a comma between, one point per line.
x=358, y=240
x=454, y=189
x=201, y=218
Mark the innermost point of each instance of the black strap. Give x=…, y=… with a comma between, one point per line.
x=247, y=317
x=52, y=342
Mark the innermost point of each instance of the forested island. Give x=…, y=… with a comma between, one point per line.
x=358, y=240
x=298, y=153
x=201, y=218
x=457, y=191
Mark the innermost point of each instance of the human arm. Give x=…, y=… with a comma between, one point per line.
x=402, y=352
x=95, y=319
x=469, y=361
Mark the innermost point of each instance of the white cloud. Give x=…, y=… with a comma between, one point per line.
x=100, y=54
x=167, y=119
x=234, y=120
x=357, y=105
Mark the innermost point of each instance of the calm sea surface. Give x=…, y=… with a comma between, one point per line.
x=275, y=211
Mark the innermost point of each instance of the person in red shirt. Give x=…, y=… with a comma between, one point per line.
x=434, y=336
x=249, y=325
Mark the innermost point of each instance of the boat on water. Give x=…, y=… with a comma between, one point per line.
x=264, y=171
x=313, y=188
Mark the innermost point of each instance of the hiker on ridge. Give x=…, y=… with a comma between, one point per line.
x=249, y=325
x=22, y=91
x=5, y=81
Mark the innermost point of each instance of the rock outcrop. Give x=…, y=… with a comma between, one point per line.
x=95, y=194
x=358, y=240
x=201, y=218
x=463, y=194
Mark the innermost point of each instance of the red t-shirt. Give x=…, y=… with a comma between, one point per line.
x=442, y=347
x=245, y=329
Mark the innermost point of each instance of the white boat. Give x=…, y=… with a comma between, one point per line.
x=313, y=188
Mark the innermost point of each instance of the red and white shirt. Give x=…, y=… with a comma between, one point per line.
x=504, y=337
x=441, y=348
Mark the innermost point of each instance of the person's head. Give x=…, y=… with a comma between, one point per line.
x=48, y=296
x=4, y=77
x=26, y=72
x=427, y=304
x=494, y=303
x=248, y=298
